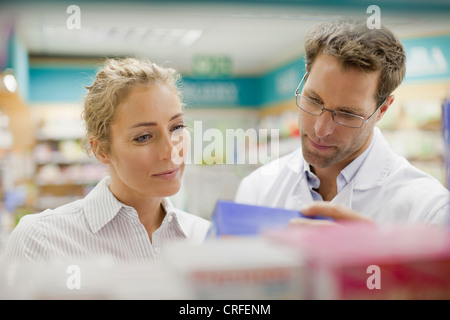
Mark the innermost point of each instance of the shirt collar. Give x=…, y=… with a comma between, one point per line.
x=101, y=206
x=176, y=217
x=312, y=179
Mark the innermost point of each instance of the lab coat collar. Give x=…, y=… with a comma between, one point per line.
x=301, y=194
x=293, y=162
x=376, y=166
x=372, y=172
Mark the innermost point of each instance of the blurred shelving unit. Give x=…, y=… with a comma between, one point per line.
x=209, y=175
x=413, y=126
x=63, y=172
x=16, y=143
x=6, y=141
x=283, y=117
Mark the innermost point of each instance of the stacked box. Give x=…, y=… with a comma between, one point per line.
x=361, y=261
x=238, y=268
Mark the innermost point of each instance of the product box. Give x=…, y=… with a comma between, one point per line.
x=89, y=279
x=241, y=268
x=361, y=261
x=235, y=219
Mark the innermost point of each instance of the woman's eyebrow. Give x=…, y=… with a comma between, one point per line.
x=176, y=116
x=150, y=124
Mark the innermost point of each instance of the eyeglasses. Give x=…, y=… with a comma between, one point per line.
x=340, y=117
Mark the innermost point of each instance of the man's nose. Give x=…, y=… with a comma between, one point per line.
x=324, y=124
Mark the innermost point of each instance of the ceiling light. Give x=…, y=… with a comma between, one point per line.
x=190, y=37
x=156, y=37
x=9, y=82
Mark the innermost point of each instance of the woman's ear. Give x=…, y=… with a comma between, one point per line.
x=98, y=151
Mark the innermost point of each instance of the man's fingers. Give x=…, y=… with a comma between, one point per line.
x=334, y=211
x=311, y=222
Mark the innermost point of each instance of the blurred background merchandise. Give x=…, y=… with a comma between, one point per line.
x=241, y=63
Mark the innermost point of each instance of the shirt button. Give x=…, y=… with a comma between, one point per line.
x=169, y=218
x=157, y=251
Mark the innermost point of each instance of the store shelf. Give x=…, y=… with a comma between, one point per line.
x=63, y=172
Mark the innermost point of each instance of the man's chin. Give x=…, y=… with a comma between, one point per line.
x=317, y=162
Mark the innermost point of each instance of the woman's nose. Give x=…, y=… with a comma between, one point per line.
x=165, y=147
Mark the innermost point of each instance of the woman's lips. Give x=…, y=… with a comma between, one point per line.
x=167, y=175
x=319, y=146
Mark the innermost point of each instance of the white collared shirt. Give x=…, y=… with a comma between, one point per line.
x=99, y=227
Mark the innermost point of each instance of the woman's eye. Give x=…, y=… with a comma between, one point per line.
x=178, y=127
x=143, y=138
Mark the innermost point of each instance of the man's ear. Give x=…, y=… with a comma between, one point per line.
x=385, y=106
x=98, y=151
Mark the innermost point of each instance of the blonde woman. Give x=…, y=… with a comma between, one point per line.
x=135, y=126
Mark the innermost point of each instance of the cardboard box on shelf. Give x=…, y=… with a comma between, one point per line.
x=238, y=268
x=361, y=261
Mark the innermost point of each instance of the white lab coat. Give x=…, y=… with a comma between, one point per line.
x=386, y=188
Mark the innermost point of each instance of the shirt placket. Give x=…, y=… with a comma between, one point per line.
x=314, y=184
x=155, y=245
x=141, y=235
x=158, y=234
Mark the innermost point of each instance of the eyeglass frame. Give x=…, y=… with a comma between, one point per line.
x=333, y=112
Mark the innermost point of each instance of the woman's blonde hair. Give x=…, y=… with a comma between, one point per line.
x=356, y=46
x=112, y=84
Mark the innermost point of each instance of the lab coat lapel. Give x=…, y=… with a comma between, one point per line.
x=298, y=194
x=376, y=166
x=301, y=195
x=345, y=197
x=371, y=174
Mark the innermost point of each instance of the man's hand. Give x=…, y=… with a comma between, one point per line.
x=326, y=209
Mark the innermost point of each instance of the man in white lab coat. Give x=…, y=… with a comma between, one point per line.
x=344, y=162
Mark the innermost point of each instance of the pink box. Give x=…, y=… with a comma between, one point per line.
x=361, y=261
